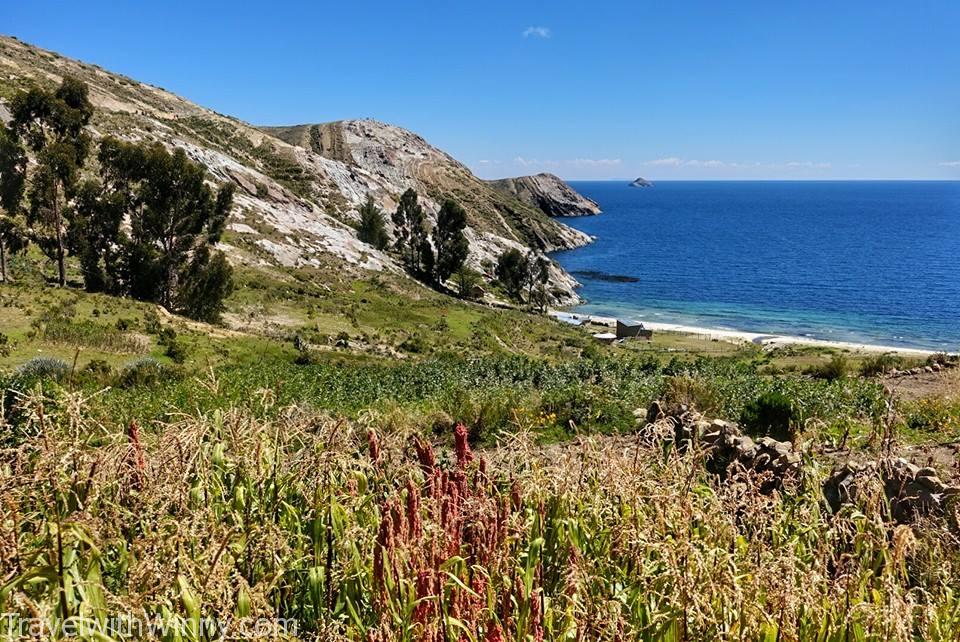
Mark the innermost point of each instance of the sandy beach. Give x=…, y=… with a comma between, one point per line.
x=737, y=336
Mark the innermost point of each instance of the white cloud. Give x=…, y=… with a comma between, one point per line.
x=573, y=162
x=536, y=32
x=672, y=161
x=807, y=165
x=594, y=162
x=955, y=163
x=706, y=163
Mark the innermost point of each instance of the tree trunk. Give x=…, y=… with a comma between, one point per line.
x=3, y=262
x=58, y=224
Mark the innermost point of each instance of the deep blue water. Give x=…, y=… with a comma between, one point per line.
x=867, y=261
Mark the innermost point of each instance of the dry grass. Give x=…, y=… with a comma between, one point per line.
x=362, y=531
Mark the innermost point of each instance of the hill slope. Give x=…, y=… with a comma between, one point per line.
x=400, y=159
x=300, y=187
x=547, y=192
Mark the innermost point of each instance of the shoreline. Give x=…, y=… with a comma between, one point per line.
x=766, y=340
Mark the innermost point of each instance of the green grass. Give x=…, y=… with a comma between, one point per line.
x=495, y=394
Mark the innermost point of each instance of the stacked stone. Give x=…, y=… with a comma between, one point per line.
x=725, y=445
x=911, y=491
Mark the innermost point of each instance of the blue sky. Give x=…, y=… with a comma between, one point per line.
x=838, y=89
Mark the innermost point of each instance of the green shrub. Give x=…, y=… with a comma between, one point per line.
x=692, y=392
x=176, y=351
x=933, y=415
x=306, y=357
x=152, y=323
x=146, y=372
x=415, y=344
x=588, y=408
x=40, y=374
x=772, y=414
x=485, y=413
x=96, y=372
x=836, y=368
x=880, y=364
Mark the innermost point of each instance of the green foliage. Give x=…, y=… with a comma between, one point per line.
x=773, y=414
x=837, y=368
x=175, y=221
x=933, y=415
x=174, y=348
x=451, y=244
x=880, y=364
x=618, y=385
x=13, y=173
x=414, y=344
x=372, y=229
x=175, y=218
x=583, y=407
x=98, y=368
x=52, y=125
x=94, y=235
x=147, y=372
x=512, y=272
x=410, y=224
x=206, y=282
x=468, y=280
x=486, y=412
x=529, y=274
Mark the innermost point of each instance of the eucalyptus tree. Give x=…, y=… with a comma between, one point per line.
x=175, y=219
x=13, y=172
x=52, y=124
x=372, y=229
x=450, y=242
x=412, y=234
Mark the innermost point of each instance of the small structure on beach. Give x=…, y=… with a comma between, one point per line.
x=632, y=330
x=605, y=337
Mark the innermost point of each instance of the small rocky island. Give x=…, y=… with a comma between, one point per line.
x=641, y=182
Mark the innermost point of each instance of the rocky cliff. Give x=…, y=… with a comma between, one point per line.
x=300, y=187
x=548, y=193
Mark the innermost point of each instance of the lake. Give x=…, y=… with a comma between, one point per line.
x=864, y=261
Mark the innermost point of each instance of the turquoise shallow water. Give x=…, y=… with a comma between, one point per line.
x=866, y=261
